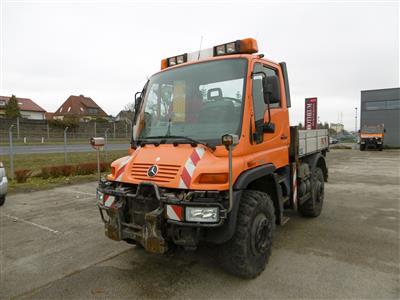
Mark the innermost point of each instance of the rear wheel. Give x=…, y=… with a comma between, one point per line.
x=362, y=147
x=313, y=206
x=2, y=200
x=247, y=253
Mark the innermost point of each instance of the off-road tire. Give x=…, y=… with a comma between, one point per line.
x=362, y=147
x=247, y=253
x=2, y=200
x=380, y=148
x=312, y=207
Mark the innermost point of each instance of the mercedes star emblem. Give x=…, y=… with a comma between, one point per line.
x=152, y=171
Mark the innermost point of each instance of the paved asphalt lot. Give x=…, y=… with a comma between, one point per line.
x=53, y=246
x=4, y=150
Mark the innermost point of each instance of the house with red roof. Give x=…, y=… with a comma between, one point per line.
x=28, y=108
x=80, y=107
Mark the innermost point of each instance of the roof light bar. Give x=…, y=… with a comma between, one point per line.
x=176, y=60
x=245, y=46
x=228, y=48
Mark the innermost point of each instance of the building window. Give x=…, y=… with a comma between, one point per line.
x=379, y=105
x=69, y=109
x=375, y=105
x=2, y=103
x=92, y=111
x=61, y=109
x=393, y=104
x=81, y=109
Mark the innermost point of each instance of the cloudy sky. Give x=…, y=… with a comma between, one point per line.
x=107, y=49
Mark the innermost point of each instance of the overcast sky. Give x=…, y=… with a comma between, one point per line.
x=107, y=49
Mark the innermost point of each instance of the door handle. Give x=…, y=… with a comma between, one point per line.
x=284, y=137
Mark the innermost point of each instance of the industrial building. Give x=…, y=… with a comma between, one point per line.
x=382, y=106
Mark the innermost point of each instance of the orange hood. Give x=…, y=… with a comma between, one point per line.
x=177, y=167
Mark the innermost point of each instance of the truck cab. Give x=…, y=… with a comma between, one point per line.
x=372, y=136
x=213, y=159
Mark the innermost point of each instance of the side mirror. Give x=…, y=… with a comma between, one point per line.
x=269, y=127
x=384, y=130
x=271, y=89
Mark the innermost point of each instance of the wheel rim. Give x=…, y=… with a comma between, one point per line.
x=259, y=234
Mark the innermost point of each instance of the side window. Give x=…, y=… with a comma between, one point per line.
x=258, y=97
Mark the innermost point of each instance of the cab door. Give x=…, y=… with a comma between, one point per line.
x=271, y=135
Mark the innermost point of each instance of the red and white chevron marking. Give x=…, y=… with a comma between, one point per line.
x=175, y=212
x=109, y=201
x=190, y=167
x=121, y=168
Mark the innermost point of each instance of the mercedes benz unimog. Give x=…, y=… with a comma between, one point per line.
x=372, y=136
x=214, y=160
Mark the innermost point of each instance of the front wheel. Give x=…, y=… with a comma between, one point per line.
x=2, y=200
x=313, y=206
x=247, y=253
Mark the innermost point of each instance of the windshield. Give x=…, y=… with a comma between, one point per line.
x=201, y=101
x=372, y=129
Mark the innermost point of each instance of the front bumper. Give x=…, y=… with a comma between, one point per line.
x=153, y=217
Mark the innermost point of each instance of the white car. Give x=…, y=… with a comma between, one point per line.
x=3, y=184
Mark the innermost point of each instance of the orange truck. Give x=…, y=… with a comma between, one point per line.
x=214, y=160
x=372, y=136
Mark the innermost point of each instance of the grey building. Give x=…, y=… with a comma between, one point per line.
x=382, y=107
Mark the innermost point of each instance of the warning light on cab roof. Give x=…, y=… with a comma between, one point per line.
x=245, y=46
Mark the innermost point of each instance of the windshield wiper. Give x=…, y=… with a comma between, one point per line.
x=164, y=138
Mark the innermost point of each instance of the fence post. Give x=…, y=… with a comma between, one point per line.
x=65, y=145
x=48, y=130
x=95, y=128
x=130, y=124
x=114, y=129
x=11, y=152
x=126, y=130
x=105, y=144
x=18, y=128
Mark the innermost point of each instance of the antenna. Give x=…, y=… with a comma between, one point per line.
x=201, y=41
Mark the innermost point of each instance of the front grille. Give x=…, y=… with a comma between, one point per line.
x=166, y=173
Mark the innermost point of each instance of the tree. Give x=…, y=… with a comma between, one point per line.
x=12, y=110
x=130, y=106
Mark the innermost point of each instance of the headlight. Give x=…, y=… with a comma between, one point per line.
x=202, y=214
x=100, y=197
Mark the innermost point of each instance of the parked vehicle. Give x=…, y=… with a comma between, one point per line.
x=214, y=159
x=3, y=184
x=333, y=141
x=372, y=136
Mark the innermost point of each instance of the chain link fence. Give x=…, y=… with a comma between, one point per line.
x=43, y=131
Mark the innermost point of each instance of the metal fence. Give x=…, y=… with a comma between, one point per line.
x=42, y=131
x=22, y=131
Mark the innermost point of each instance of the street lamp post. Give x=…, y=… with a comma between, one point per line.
x=355, y=127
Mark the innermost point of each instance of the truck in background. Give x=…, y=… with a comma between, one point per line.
x=213, y=159
x=372, y=136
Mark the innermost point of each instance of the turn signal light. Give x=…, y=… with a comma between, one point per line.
x=113, y=171
x=214, y=178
